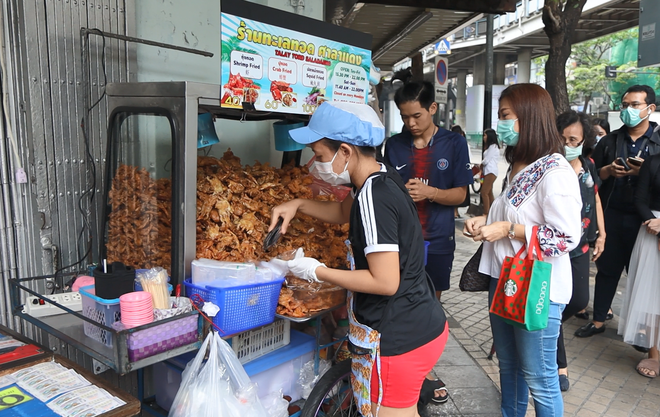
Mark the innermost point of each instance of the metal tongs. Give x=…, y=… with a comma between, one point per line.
x=273, y=236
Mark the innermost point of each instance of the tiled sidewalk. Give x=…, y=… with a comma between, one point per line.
x=601, y=368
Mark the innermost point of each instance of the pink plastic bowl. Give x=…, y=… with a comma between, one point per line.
x=135, y=297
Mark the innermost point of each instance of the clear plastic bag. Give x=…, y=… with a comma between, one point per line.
x=308, y=379
x=154, y=281
x=245, y=390
x=205, y=389
x=276, y=405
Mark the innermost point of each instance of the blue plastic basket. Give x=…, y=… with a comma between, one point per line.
x=241, y=308
x=101, y=311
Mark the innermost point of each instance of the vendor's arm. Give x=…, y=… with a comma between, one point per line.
x=382, y=277
x=326, y=211
x=380, y=216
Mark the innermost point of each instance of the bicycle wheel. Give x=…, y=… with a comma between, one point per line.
x=332, y=396
x=476, y=186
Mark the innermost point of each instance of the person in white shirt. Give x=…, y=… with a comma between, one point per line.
x=489, y=168
x=542, y=190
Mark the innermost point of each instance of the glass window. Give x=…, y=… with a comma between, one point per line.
x=139, y=201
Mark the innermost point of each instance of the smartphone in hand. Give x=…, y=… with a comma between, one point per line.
x=622, y=162
x=635, y=161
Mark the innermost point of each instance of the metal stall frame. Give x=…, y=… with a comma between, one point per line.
x=181, y=102
x=68, y=326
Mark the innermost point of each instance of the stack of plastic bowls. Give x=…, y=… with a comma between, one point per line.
x=136, y=309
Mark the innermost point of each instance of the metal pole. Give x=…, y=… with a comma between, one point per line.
x=488, y=90
x=85, y=31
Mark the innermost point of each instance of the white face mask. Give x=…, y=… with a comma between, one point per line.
x=324, y=172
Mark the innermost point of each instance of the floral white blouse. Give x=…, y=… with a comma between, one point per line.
x=546, y=194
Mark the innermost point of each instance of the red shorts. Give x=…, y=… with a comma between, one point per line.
x=402, y=375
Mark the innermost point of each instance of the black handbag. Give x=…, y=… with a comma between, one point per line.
x=471, y=279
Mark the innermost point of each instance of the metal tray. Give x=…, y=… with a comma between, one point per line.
x=309, y=316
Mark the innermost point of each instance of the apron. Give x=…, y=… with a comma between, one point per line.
x=367, y=340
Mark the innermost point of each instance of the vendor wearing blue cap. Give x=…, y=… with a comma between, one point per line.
x=394, y=317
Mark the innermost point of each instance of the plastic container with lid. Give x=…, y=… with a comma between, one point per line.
x=205, y=271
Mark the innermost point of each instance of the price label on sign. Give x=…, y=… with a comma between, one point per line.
x=314, y=76
x=271, y=104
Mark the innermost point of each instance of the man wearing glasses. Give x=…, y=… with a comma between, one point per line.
x=618, y=158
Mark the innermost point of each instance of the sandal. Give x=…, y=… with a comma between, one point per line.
x=429, y=390
x=650, y=365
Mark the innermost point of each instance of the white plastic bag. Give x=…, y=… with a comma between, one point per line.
x=205, y=389
x=245, y=390
x=276, y=405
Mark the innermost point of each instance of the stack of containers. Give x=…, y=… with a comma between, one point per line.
x=136, y=309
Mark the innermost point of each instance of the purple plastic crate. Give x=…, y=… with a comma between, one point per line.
x=241, y=308
x=158, y=339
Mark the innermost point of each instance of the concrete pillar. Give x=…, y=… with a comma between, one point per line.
x=461, y=88
x=524, y=65
x=499, y=72
x=478, y=74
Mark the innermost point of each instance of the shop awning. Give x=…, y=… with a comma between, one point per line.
x=402, y=27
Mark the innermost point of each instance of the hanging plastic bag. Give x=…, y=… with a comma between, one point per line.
x=205, y=389
x=276, y=405
x=244, y=389
x=308, y=378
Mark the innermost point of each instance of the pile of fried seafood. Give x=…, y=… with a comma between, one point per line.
x=234, y=205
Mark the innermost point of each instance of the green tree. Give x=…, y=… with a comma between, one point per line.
x=560, y=18
x=586, y=72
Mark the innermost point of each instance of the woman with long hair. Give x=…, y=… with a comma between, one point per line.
x=489, y=168
x=542, y=191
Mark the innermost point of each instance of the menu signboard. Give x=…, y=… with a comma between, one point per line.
x=281, y=70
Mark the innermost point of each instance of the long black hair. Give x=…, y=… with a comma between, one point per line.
x=491, y=138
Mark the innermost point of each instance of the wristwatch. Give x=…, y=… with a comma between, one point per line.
x=512, y=231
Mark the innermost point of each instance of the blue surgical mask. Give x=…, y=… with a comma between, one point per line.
x=505, y=132
x=630, y=117
x=598, y=138
x=573, y=153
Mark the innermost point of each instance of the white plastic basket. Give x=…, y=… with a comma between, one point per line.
x=255, y=343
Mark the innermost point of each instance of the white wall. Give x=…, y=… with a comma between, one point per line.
x=196, y=24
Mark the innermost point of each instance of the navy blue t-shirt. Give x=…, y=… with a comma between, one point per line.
x=449, y=168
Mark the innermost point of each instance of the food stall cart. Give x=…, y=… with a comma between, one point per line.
x=165, y=205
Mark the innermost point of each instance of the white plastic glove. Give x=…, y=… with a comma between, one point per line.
x=305, y=268
x=279, y=267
